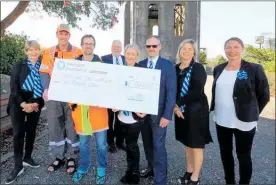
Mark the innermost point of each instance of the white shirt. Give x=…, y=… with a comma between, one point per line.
x=119, y=59
x=225, y=113
x=126, y=119
x=154, y=61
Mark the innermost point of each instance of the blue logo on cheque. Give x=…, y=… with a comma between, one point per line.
x=61, y=65
x=126, y=83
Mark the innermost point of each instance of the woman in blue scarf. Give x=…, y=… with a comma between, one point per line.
x=25, y=103
x=191, y=109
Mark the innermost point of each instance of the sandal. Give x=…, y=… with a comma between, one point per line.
x=68, y=166
x=185, y=178
x=100, y=179
x=78, y=175
x=56, y=166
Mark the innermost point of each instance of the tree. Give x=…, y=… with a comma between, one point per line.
x=203, y=57
x=271, y=43
x=258, y=55
x=219, y=59
x=101, y=13
x=12, y=50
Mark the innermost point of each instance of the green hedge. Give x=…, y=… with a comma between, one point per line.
x=12, y=50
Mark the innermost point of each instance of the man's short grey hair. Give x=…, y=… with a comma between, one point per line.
x=156, y=37
x=234, y=39
x=117, y=42
x=134, y=46
x=191, y=41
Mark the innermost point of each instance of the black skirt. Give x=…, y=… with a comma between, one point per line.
x=193, y=131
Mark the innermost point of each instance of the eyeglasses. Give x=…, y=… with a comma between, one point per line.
x=89, y=44
x=153, y=46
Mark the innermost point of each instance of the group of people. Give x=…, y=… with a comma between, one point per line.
x=240, y=92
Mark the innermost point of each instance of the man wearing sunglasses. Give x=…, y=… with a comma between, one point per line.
x=155, y=127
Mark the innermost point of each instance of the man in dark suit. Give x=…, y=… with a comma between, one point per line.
x=114, y=128
x=154, y=131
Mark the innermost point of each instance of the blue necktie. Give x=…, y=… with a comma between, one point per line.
x=126, y=113
x=185, y=86
x=150, y=64
x=117, y=60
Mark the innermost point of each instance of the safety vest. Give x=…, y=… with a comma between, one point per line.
x=48, y=58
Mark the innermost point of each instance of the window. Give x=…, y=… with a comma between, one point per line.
x=153, y=20
x=155, y=30
x=179, y=19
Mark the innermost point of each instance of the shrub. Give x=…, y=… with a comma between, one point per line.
x=12, y=50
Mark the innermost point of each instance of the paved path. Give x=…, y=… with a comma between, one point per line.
x=263, y=156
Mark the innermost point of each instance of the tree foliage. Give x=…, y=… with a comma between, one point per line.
x=101, y=14
x=263, y=56
x=203, y=57
x=219, y=59
x=12, y=50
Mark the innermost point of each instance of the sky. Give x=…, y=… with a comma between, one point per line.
x=219, y=21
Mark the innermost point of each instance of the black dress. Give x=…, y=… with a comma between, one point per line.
x=193, y=131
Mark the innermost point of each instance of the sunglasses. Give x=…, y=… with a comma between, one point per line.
x=153, y=46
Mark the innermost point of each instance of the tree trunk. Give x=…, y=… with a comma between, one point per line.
x=9, y=20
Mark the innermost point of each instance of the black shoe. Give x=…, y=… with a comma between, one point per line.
x=14, y=174
x=186, y=177
x=146, y=173
x=30, y=162
x=112, y=148
x=130, y=178
x=190, y=182
x=121, y=146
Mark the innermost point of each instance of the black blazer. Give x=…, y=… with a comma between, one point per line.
x=250, y=95
x=19, y=73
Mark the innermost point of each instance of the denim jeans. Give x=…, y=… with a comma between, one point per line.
x=85, y=150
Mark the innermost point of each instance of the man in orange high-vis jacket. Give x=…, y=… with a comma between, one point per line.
x=90, y=120
x=63, y=139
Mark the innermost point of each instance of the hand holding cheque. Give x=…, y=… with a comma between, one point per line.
x=104, y=85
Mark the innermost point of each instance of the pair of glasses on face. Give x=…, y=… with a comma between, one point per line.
x=151, y=46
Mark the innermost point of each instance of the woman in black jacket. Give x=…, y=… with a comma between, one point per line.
x=240, y=92
x=191, y=110
x=25, y=103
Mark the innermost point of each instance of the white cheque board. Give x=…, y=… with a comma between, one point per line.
x=112, y=86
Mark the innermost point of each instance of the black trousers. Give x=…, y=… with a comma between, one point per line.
x=147, y=137
x=131, y=133
x=244, y=140
x=114, y=130
x=20, y=127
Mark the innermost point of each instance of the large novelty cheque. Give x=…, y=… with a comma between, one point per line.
x=112, y=86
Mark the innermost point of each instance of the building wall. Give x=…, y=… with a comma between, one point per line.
x=142, y=26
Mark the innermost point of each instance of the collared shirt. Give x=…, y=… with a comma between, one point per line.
x=119, y=59
x=225, y=114
x=154, y=60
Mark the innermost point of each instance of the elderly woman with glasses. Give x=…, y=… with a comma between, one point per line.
x=239, y=94
x=25, y=103
x=191, y=109
x=130, y=124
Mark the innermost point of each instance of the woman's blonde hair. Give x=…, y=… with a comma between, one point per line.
x=31, y=44
x=191, y=41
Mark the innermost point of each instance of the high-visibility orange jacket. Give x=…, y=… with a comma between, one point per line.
x=89, y=119
x=48, y=58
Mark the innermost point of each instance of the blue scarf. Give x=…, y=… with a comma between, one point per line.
x=33, y=82
x=185, y=86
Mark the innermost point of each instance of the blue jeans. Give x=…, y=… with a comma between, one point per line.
x=85, y=151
